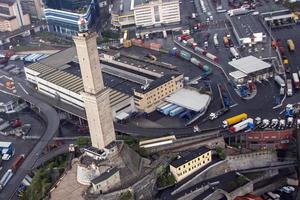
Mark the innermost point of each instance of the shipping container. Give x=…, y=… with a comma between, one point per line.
x=196, y=62
x=212, y=57
x=176, y=111
x=17, y=162
x=289, y=87
x=279, y=80
x=167, y=110
x=234, y=52
x=296, y=80
x=247, y=123
x=235, y=119
x=185, y=55
x=200, y=50
x=216, y=41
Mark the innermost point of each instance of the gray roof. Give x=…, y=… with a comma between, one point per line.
x=249, y=64
x=246, y=25
x=237, y=74
x=105, y=175
x=122, y=7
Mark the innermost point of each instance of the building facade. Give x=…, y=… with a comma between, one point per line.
x=12, y=16
x=35, y=8
x=156, y=12
x=65, y=22
x=106, y=181
x=122, y=14
x=191, y=162
x=147, y=97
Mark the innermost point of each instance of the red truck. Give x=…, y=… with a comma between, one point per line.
x=17, y=162
x=16, y=123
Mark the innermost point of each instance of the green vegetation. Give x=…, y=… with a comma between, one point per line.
x=165, y=180
x=241, y=180
x=83, y=141
x=238, y=182
x=221, y=152
x=126, y=196
x=53, y=38
x=232, y=185
x=107, y=36
x=42, y=180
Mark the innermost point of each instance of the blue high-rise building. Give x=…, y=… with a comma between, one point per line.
x=62, y=18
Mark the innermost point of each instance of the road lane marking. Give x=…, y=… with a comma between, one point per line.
x=23, y=88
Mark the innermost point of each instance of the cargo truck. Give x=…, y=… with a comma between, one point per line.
x=234, y=52
x=5, y=178
x=289, y=87
x=235, y=119
x=216, y=41
x=296, y=80
x=242, y=125
x=279, y=81
x=291, y=45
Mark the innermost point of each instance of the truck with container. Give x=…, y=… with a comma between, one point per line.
x=233, y=120
x=247, y=123
x=216, y=40
x=5, y=178
x=234, y=52
x=279, y=80
x=17, y=162
x=289, y=90
x=296, y=80
x=291, y=45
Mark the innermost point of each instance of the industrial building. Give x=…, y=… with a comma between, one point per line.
x=190, y=162
x=12, y=16
x=65, y=21
x=143, y=13
x=247, y=28
x=156, y=12
x=148, y=97
x=250, y=68
x=67, y=88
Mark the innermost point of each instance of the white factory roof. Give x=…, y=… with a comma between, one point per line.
x=189, y=99
x=249, y=64
x=237, y=74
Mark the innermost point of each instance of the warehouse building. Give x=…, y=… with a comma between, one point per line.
x=247, y=28
x=250, y=68
x=148, y=97
x=66, y=87
x=190, y=162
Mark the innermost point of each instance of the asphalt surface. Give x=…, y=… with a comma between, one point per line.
x=52, y=121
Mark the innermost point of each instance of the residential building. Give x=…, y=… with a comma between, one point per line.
x=106, y=181
x=12, y=16
x=188, y=163
x=156, y=12
x=35, y=8
x=148, y=97
x=64, y=21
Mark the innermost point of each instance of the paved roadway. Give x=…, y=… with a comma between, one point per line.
x=52, y=121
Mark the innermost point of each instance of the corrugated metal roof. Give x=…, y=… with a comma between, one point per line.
x=40, y=68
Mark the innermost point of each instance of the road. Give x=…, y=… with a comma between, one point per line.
x=52, y=121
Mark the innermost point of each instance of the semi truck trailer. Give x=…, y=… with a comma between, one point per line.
x=233, y=120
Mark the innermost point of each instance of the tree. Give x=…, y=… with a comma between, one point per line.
x=221, y=152
x=126, y=196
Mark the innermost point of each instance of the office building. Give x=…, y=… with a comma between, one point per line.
x=35, y=8
x=64, y=20
x=156, y=12
x=190, y=162
x=95, y=95
x=12, y=16
x=148, y=97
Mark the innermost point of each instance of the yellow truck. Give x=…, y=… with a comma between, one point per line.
x=235, y=119
x=291, y=45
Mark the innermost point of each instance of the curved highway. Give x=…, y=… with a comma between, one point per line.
x=52, y=121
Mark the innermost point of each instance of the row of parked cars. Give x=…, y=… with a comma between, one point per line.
x=11, y=68
x=279, y=124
